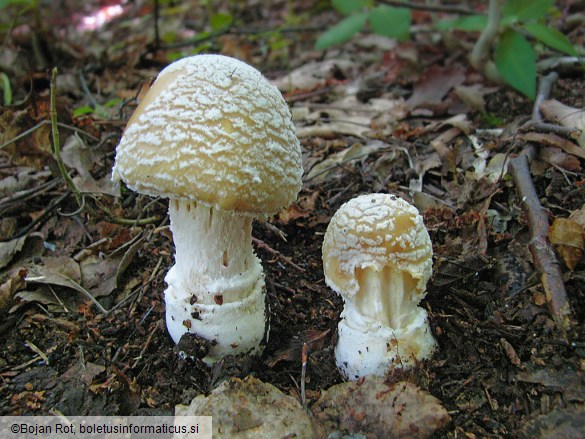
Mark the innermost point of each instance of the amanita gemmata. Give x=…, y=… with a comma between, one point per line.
x=377, y=254
x=217, y=139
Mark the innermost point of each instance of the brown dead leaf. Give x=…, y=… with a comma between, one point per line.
x=567, y=237
x=564, y=115
x=313, y=339
x=578, y=216
x=554, y=140
x=566, y=423
x=434, y=85
x=559, y=158
x=375, y=409
x=85, y=372
x=473, y=95
x=9, y=286
x=314, y=74
x=356, y=152
x=511, y=353
x=292, y=213
x=570, y=382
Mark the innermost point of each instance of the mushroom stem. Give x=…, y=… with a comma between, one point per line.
x=381, y=295
x=216, y=287
x=214, y=253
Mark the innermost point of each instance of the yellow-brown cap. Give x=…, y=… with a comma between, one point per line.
x=214, y=130
x=376, y=231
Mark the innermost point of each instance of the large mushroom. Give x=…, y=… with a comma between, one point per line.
x=377, y=254
x=217, y=139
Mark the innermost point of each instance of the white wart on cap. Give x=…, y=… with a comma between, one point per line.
x=377, y=254
x=214, y=136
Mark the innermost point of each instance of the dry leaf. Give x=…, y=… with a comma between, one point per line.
x=313, y=339
x=357, y=151
x=554, y=140
x=567, y=237
x=570, y=382
x=511, y=353
x=578, y=216
x=10, y=286
x=564, y=115
x=372, y=408
x=472, y=95
x=434, y=85
x=314, y=74
x=292, y=213
x=84, y=372
x=559, y=158
x=566, y=423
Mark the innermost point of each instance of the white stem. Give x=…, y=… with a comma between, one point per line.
x=213, y=255
x=216, y=287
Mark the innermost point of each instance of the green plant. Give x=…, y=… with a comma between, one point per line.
x=384, y=20
x=504, y=52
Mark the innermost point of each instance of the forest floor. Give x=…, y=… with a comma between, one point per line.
x=409, y=118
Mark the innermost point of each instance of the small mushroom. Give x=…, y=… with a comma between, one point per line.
x=377, y=254
x=217, y=139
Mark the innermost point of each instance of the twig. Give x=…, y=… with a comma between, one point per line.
x=42, y=216
x=544, y=88
x=57, y=142
x=427, y=7
x=304, y=359
x=544, y=257
x=542, y=252
x=261, y=244
x=551, y=128
x=45, y=122
x=148, y=340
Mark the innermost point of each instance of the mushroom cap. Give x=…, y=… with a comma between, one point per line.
x=212, y=129
x=372, y=232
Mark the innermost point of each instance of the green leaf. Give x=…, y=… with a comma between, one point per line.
x=113, y=102
x=391, y=22
x=348, y=7
x=82, y=111
x=342, y=31
x=220, y=21
x=516, y=60
x=6, y=89
x=551, y=37
x=469, y=23
x=525, y=10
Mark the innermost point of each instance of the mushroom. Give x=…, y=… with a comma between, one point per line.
x=377, y=254
x=217, y=139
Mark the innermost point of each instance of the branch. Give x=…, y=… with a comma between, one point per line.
x=544, y=257
x=430, y=8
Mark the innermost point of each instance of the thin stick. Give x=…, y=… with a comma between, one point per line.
x=57, y=142
x=426, y=7
x=45, y=122
x=544, y=257
x=304, y=358
x=261, y=244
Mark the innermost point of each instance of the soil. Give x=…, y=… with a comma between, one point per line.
x=503, y=367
